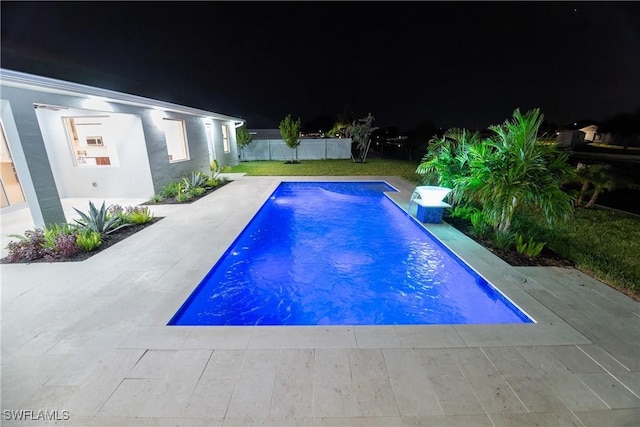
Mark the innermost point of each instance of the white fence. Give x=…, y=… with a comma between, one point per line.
x=309, y=149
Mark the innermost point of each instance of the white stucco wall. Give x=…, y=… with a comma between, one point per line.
x=129, y=174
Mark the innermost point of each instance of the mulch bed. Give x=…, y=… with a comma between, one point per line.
x=111, y=240
x=173, y=201
x=546, y=258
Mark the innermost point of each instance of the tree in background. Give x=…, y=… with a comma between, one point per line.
x=290, y=131
x=243, y=138
x=601, y=178
x=342, y=123
x=360, y=132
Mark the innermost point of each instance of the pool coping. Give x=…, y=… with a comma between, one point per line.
x=548, y=328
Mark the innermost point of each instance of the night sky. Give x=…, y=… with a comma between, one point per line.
x=458, y=64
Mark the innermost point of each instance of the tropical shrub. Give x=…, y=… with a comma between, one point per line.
x=53, y=231
x=503, y=239
x=213, y=182
x=157, y=198
x=171, y=190
x=88, y=240
x=511, y=172
x=28, y=247
x=139, y=215
x=446, y=162
x=65, y=246
x=480, y=225
x=215, y=168
x=601, y=178
x=529, y=248
x=290, y=132
x=99, y=220
x=184, y=196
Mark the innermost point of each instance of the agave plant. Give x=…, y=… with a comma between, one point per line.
x=99, y=220
x=195, y=180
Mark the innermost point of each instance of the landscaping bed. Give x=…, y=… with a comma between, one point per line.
x=111, y=240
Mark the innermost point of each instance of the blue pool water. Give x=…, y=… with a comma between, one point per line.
x=340, y=253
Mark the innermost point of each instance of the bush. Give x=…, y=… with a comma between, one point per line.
x=29, y=246
x=530, y=248
x=171, y=190
x=184, y=196
x=140, y=215
x=88, y=240
x=65, y=246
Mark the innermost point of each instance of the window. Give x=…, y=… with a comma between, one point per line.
x=225, y=139
x=176, y=140
x=88, y=149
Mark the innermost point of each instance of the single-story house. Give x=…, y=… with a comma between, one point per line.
x=61, y=139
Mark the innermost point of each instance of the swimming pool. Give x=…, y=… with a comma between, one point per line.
x=341, y=253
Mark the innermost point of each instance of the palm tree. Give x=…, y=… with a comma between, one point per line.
x=512, y=171
x=601, y=178
x=446, y=162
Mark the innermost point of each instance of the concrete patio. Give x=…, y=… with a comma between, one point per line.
x=87, y=343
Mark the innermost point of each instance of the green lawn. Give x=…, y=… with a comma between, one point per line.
x=602, y=242
x=373, y=166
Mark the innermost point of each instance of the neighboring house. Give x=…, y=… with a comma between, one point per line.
x=61, y=139
x=579, y=133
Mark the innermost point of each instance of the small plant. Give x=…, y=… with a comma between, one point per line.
x=529, y=248
x=88, y=240
x=139, y=215
x=214, y=167
x=171, y=190
x=213, y=182
x=184, y=196
x=65, y=246
x=52, y=232
x=481, y=227
x=157, y=198
x=195, y=180
x=503, y=239
x=463, y=212
x=99, y=220
x=197, y=191
x=29, y=246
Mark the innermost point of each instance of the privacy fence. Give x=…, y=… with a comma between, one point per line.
x=309, y=149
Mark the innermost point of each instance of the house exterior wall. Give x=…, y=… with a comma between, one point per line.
x=129, y=174
x=44, y=158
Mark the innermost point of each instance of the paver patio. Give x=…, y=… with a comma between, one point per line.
x=90, y=341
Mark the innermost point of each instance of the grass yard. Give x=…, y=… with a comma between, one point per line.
x=342, y=167
x=601, y=242
x=605, y=244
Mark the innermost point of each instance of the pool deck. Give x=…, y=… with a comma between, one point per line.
x=89, y=340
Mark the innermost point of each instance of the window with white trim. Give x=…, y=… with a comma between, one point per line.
x=174, y=132
x=225, y=139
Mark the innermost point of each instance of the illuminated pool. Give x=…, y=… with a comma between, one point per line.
x=341, y=253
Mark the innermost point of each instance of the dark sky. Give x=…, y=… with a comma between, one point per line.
x=463, y=64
